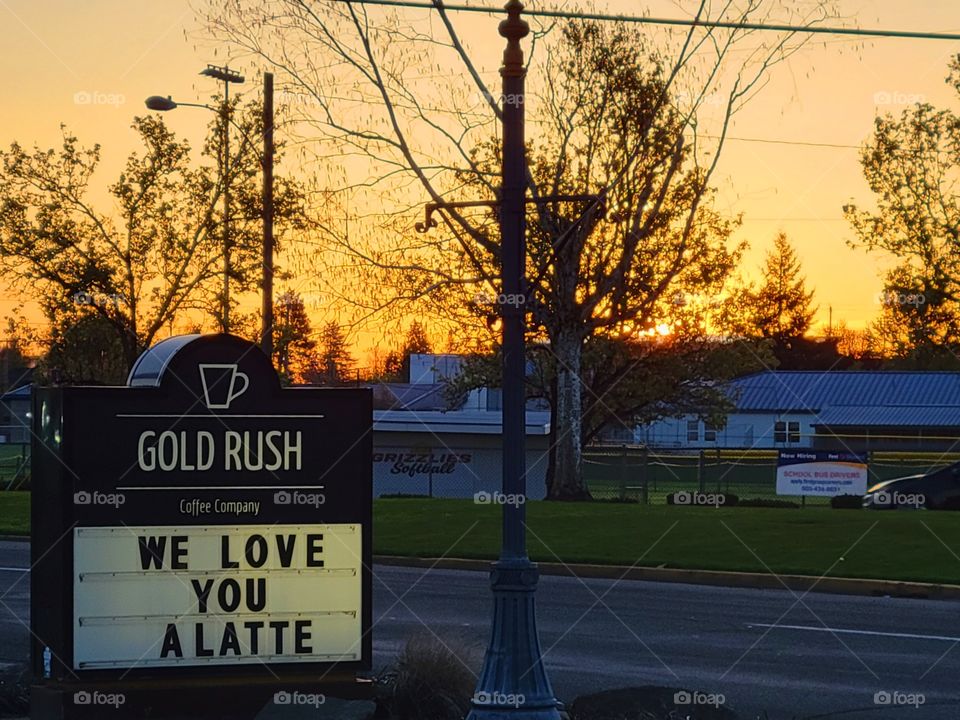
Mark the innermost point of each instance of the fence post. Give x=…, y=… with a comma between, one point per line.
x=719, y=473
x=623, y=473
x=701, y=474
x=644, y=478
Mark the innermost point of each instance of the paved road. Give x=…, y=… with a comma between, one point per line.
x=827, y=653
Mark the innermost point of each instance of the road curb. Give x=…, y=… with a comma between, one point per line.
x=766, y=581
x=14, y=538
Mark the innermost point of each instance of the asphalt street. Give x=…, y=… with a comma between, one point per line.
x=786, y=654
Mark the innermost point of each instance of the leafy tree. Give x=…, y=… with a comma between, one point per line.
x=294, y=352
x=84, y=350
x=335, y=362
x=157, y=255
x=616, y=119
x=911, y=164
x=16, y=355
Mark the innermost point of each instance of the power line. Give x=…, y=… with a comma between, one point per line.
x=773, y=141
x=775, y=27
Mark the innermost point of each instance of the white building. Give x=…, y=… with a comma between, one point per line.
x=422, y=447
x=841, y=409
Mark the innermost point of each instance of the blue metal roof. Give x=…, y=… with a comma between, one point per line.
x=813, y=391
x=21, y=393
x=889, y=416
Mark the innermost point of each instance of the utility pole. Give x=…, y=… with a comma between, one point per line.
x=513, y=682
x=266, y=335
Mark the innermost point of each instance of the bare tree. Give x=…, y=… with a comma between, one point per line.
x=613, y=115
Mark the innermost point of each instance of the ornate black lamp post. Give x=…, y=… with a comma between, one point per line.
x=513, y=683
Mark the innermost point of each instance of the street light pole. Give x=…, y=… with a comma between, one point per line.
x=227, y=76
x=266, y=335
x=513, y=683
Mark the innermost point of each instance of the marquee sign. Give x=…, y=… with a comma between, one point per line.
x=201, y=520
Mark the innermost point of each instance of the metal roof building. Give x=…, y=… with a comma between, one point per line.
x=849, y=410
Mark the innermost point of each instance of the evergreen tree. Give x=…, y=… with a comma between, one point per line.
x=781, y=309
x=335, y=362
x=294, y=353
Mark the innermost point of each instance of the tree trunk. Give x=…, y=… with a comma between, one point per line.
x=566, y=479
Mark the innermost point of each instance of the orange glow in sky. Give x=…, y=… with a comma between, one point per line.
x=790, y=165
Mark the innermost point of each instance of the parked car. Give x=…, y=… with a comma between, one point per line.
x=937, y=490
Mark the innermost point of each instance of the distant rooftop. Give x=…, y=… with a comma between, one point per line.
x=813, y=391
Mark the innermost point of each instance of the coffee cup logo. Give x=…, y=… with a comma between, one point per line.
x=222, y=384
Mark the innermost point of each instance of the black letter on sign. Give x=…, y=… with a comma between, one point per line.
x=254, y=627
x=301, y=635
x=230, y=641
x=202, y=593
x=151, y=551
x=233, y=602
x=171, y=642
x=179, y=552
x=313, y=550
x=279, y=626
x=258, y=558
x=201, y=650
x=256, y=594
x=225, y=561
x=285, y=551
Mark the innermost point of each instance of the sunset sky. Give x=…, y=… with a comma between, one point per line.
x=792, y=166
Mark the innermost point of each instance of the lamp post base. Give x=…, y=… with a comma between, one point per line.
x=513, y=683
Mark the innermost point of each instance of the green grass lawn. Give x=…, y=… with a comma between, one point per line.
x=890, y=545
x=921, y=546
x=14, y=513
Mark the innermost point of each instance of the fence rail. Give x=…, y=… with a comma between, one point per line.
x=647, y=475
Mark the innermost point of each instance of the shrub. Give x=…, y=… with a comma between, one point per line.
x=14, y=697
x=846, y=502
x=768, y=503
x=431, y=680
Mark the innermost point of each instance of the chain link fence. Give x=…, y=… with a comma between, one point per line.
x=14, y=466
x=644, y=475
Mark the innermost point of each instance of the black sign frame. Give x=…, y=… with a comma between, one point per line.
x=82, y=435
